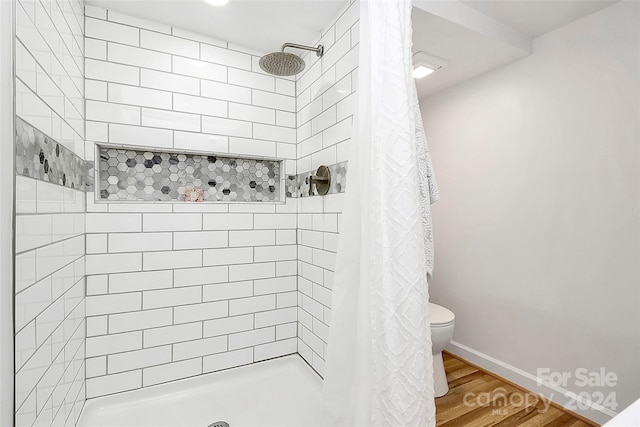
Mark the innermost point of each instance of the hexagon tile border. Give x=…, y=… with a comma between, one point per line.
x=152, y=175
x=297, y=186
x=138, y=175
x=41, y=157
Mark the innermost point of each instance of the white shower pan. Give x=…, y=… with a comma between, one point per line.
x=278, y=392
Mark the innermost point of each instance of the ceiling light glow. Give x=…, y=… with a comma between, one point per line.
x=421, y=71
x=217, y=2
x=425, y=64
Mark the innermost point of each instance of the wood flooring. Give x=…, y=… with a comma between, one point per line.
x=479, y=399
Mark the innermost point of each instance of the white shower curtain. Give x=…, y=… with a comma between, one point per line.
x=378, y=370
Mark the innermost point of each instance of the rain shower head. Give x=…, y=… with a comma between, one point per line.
x=282, y=64
x=287, y=64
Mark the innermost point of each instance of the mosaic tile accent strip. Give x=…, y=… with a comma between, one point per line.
x=160, y=176
x=91, y=173
x=40, y=157
x=298, y=185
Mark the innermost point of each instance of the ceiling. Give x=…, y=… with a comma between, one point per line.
x=474, y=36
x=468, y=53
x=260, y=25
x=534, y=17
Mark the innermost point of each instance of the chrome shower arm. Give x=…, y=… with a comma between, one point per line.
x=318, y=50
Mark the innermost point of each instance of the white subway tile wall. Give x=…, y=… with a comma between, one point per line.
x=50, y=69
x=185, y=286
x=50, y=219
x=173, y=290
x=177, y=290
x=324, y=111
x=49, y=307
x=157, y=86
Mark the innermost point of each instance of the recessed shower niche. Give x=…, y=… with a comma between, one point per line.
x=136, y=174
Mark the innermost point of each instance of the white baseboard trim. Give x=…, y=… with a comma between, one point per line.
x=558, y=395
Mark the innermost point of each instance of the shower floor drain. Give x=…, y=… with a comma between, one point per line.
x=219, y=424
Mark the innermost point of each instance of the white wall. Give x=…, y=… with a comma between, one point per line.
x=6, y=212
x=176, y=289
x=537, y=229
x=325, y=102
x=49, y=222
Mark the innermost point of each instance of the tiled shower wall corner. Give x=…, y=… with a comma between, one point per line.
x=180, y=289
x=50, y=214
x=175, y=290
x=325, y=105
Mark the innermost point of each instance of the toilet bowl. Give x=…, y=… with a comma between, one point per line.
x=442, y=323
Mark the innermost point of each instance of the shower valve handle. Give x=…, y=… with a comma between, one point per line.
x=322, y=181
x=316, y=179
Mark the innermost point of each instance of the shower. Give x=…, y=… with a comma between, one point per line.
x=287, y=64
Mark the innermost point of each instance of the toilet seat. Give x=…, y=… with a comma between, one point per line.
x=440, y=317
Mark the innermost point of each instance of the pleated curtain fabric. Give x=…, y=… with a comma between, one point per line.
x=379, y=367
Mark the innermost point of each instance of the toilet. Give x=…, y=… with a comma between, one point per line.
x=442, y=323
